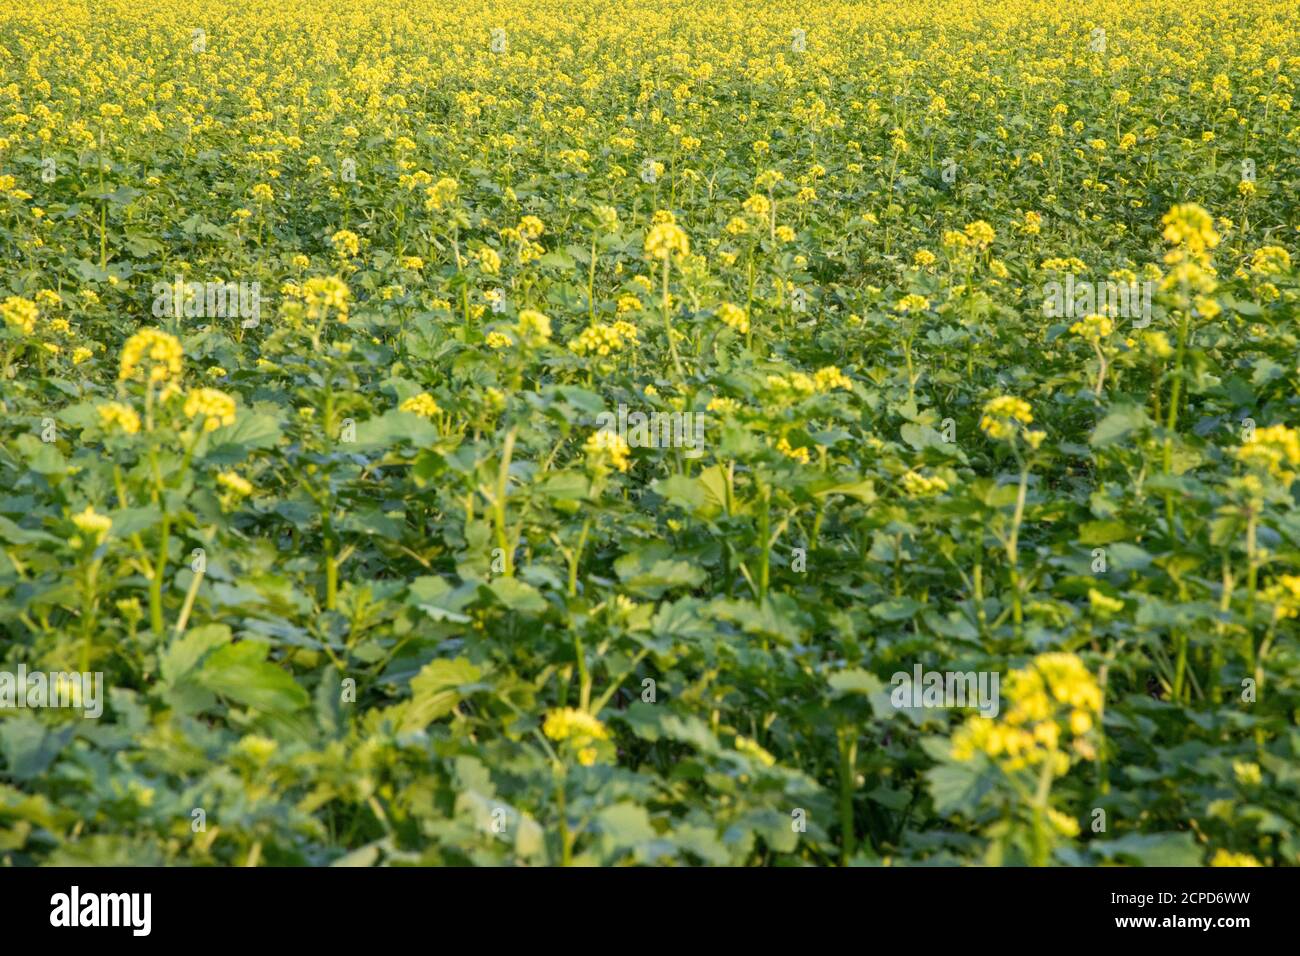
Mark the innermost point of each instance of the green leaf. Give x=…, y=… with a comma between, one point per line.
x=240, y=672
x=395, y=427
x=518, y=596
x=1150, y=849
x=249, y=432
x=44, y=458
x=855, y=681
x=1103, y=532
x=434, y=691
x=1119, y=424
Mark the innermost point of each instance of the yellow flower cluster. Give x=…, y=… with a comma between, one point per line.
x=1270, y=261
x=800, y=455
x=601, y=339
x=345, y=242
x=1284, y=595
x=916, y=485
x=1005, y=416
x=213, y=407
x=578, y=729
x=605, y=449
x=1190, y=228
x=322, y=293
x=830, y=377
x=723, y=405
x=979, y=234
x=534, y=326
x=19, y=313
x=734, y=317
x=441, y=194
x=92, y=524
x=1274, y=451
x=1093, y=328
x=1228, y=858
x=665, y=240
x=153, y=351
x=235, y=483
x=1054, y=701
x=421, y=404
x=116, y=415
x=1104, y=603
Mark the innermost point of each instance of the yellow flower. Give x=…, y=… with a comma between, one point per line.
x=262, y=193
x=498, y=340
x=800, y=455
x=1190, y=226
x=322, y=293
x=488, y=260
x=569, y=723
x=1247, y=772
x=1003, y=415
x=829, y=377
x=534, y=326
x=1270, y=261
x=724, y=406
x=1228, y=858
x=441, y=194
x=601, y=339
x=19, y=313
x=733, y=316
x=605, y=449
x=1158, y=344
x=531, y=228
x=916, y=485
x=93, y=525
x=667, y=239
x=345, y=242
x=421, y=404
x=1062, y=824
x=1274, y=450
x=979, y=233
x=1093, y=328
x=1053, y=698
x=152, y=351
x=1284, y=595
x=116, y=415
x=213, y=407
x=913, y=303
x=236, y=483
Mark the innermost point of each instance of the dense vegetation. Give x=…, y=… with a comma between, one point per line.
x=372, y=578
